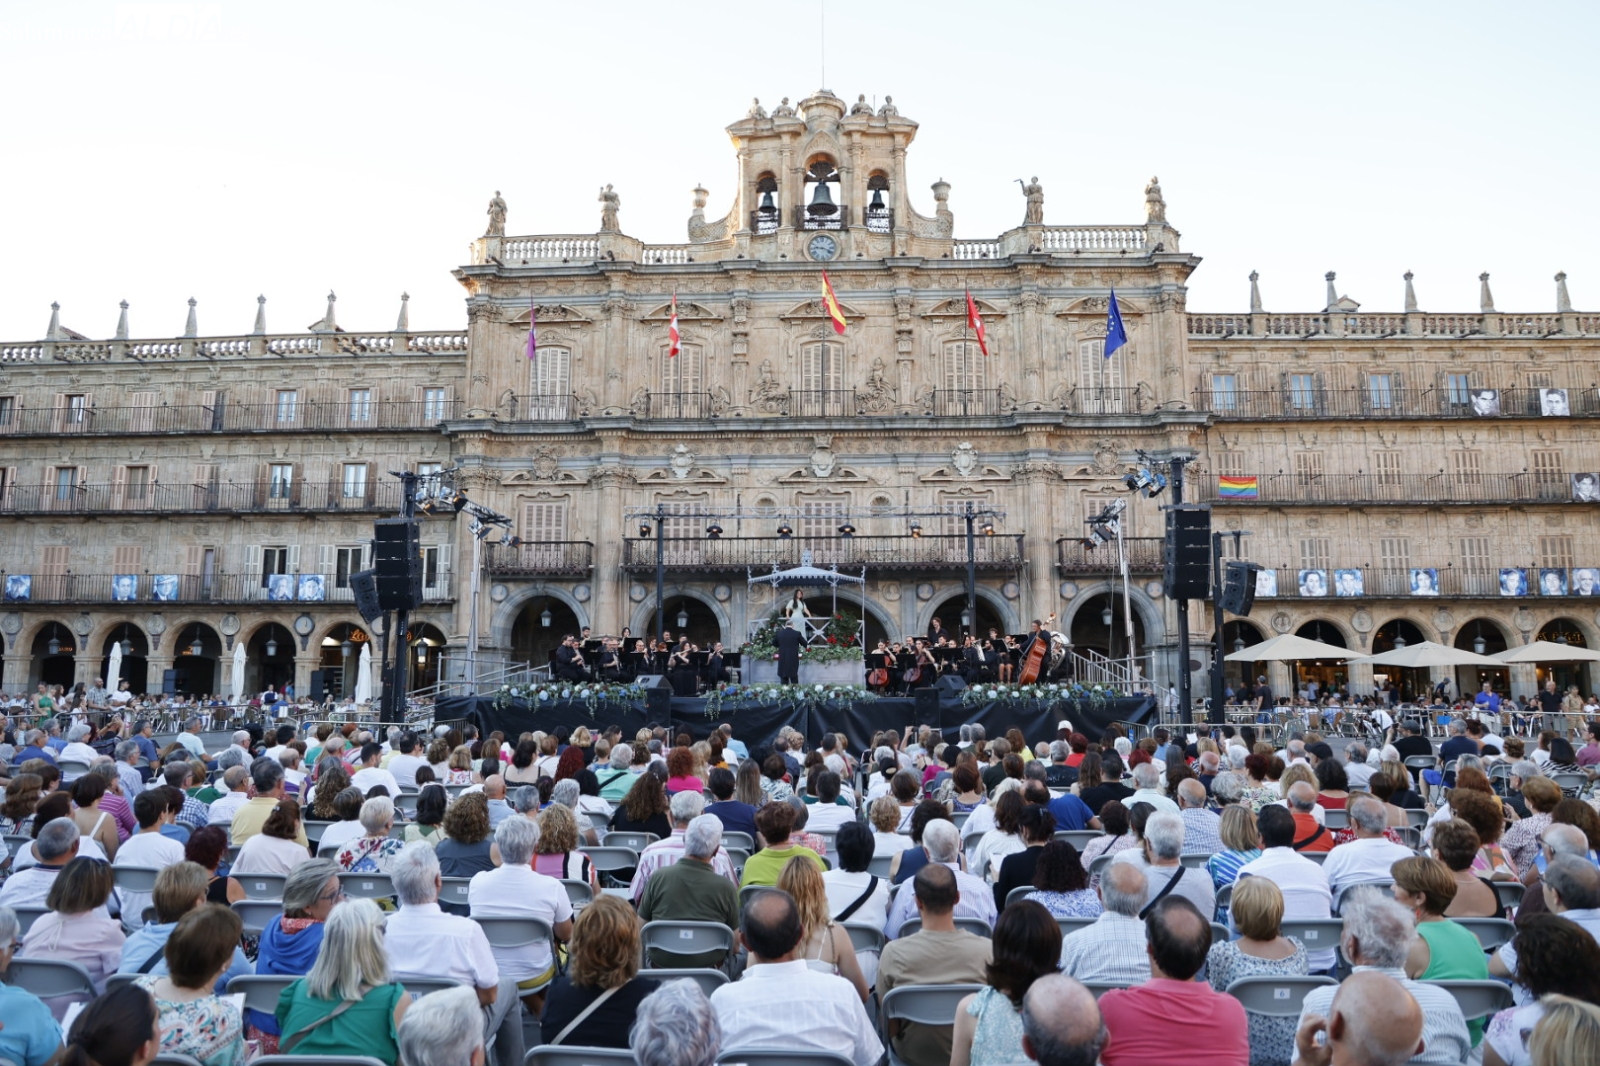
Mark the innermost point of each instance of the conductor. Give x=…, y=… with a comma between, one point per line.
x=789, y=643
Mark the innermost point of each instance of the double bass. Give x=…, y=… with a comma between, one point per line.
x=1033, y=662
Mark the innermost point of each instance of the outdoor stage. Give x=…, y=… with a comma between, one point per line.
x=757, y=722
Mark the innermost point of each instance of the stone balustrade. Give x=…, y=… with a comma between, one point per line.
x=243, y=346
x=1411, y=324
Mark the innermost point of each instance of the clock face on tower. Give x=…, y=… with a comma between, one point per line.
x=823, y=248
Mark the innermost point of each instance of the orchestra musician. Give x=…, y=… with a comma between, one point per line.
x=715, y=673
x=611, y=660
x=680, y=669
x=936, y=631
x=927, y=664
x=1004, y=648
x=569, y=660
x=880, y=659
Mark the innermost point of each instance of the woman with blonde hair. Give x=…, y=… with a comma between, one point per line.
x=458, y=771
x=349, y=1004
x=824, y=945
x=557, y=854
x=1568, y=1033
x=604, y=961
x=1261, y=951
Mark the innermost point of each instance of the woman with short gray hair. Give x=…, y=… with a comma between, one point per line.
x=348, y=1004
x=443, y=1029
x=373, y=851
x=675, y=1026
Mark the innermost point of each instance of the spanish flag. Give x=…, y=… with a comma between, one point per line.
x=831, y=305
x=1238, y=488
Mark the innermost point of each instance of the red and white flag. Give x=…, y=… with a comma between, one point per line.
x=975, y=320
x=672, y=329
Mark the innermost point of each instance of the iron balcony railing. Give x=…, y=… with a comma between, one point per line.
x=1312, y=403
x=879, y=221
x=539, y=408
x=679, y=405
x=1144, y=556
x=764, y=222
x=1518, y=580
x=1001, y=552
x=257, y=496
x=300, y=416
x=804, y=220
x=1468, y=487
x=569, y=558
x=968, y=403
x=822, y=403
x=217, y=588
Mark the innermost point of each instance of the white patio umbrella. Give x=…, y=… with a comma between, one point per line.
x=363, y=693
x=1289, y=648
x=238, y=673
x=114, y=667
x=1428, y=653
x=1547, y=651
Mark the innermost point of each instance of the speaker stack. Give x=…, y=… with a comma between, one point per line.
x=397, y=563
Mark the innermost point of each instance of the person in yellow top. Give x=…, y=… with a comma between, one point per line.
x=775, y=821
x=267, y=778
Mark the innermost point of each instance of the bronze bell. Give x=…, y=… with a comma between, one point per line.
x=877, y=201
x=822, y=203
x=768, y=207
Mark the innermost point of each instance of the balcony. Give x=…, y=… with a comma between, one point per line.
x=218, y=589
x=300, y=417
x=803, y=220
x=1145, y=556
x=1001, y=553
x=879, y=221
x=538, y=408
x=1378, y=326
x=1317, y=404
x=554, y=558
x=764, y=222
x=1370, y=582
x=680, y=405
x=296, y=497
x=1362, y=489
x=969, y=403
x=822, y=403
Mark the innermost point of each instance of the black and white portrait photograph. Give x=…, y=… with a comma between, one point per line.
x=1424, y=581
x=280, y=586
x=124, y=587
x=1553, y=403
x=1585, y=581
x=1552, y=581
x=1485, y=402
x=1586, y=488
x=1266, y=584
x=1513, y=581
x=1349, y=582
x=1313, y=582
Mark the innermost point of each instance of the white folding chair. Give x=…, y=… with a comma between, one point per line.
x=1478, y=999
x=57, y=980
x=708, y=979
x=1275, y=997
x=367, y=886
x=257, y=914
x=508, y=934
x=664, y=940
x=920, y=1005
x=261, y=990
x=262, y=886
x=1491, y=932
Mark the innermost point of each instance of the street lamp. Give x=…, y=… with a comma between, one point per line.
x=1399, y=641
x=272, y=647
x=713, y=532
x=683, y=617
x=916, y=530
x=784, y=531
x=545, y=618
x=847, y=530
x=1238, y=644
x=196, y=648
x=1106, y=616
x=1480, y=645
x=54, y=647
x=346, y=648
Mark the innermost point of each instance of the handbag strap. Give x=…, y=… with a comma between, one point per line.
x=1310, y=840
x=153, y=959
x=1172, y=883
x=288, y=1043
x=590, y=1009
x=872, y=886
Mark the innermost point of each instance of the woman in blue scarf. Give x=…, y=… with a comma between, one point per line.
x=290, y=944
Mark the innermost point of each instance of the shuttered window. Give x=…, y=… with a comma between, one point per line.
x=1099, y=378
x=1467, y=468
x=1307, y=468
x=143, y=413
x=54, y=562
x=683, y=372
x=125, y=558
x=1555, y=551
x=1314, y=553
x=1550, y=475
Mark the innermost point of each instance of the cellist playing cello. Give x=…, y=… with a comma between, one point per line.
x=1034, y=652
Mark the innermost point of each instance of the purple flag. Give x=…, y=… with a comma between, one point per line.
x=533, y=331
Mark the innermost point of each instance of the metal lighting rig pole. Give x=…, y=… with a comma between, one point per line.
x=1185, y=681
x=1217, y=717
x=661, y=572
x=394, y=690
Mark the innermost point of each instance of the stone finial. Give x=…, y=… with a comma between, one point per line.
x=403, y=324
x=1563, y=301
x=700, y=197
x=1255, y=293
x=328, y=322
x=1333, y=294
x=1411, y=294
x=191, y=325
x=122, y=322
x=1485, y=297
x=53, y=331
x=260, y=329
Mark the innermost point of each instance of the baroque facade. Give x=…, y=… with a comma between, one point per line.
x=223, y=472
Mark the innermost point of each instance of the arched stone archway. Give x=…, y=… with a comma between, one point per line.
x=1238, y=634
x=195, y=673
x=1565, y=630
x=135, y=665
x=703, y=612
x=542, y=624
x=1482, y=636
x=54, y=649
x=1399, y=632
x=506, y=614
x=1149, y=630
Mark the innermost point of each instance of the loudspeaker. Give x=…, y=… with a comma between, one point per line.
x=397, y=561
x=364, y=585
x=657, y=695
x=319, y=678
x=1187, y=575
x=950, y=684
x=926, y=701
x=1239, y=587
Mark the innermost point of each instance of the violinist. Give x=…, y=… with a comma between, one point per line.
x=927, y=666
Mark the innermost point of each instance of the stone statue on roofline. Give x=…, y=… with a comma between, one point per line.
x=610, y=204
x=861, y=107
x=784, y=109
x=1155, y=208
x=1034, y=192
x=497, y=217
x=756, y=110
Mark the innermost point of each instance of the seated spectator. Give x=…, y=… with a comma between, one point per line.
x=1147, y=779
x=975, y=897
x=1377, y=937
x=1303, y=883
x=347, y=826
x=23, y=793
x=909, y=860
x=692, y=890
x=799, y=836
x=831, y=810
x=468, y=842
x=603, y=961
x=277, y=848
x=515, y=890
x=423, y=941
x=270, y=783
x=1165, y=873
x=208, y=848
x=1557, y=839
x=1485, y=813
x=826, y=947
x=884, y=814
x=234, y=794
x=1061, y=1023
x=776, y=823
x=557, y=854
x=938, y=953
x=374, y=851
x=443, y=1029
x=780, y=1002
x=30, y=1036
x=645, y=808
x=120, y=1028
x=685, y=806
x=855, y=894
x=95, y=824
x=675, y=1026
x=988, y=1028
x=1455, y=843
x=1003, y=840
x=1261, y=951
x=1333, y=785
x=1061, y=884
x=290, y=943
x=1119, y=836
x=1179, y=937
x=1114, y=950
x=1201, y=827
x=1370, y=855
x=1521, y=841
x=1568, y=1032
x=1555, y=957
x=148, y=847
x=1241, y=843
x=1036, y=826
x=348, y=1004
x=77, y=927
x=1572, y=890
x=735, y=817
x=426, y=820
x=179, y=889
x=195, y=1020
x=1309, y=832
x=1372, y=1021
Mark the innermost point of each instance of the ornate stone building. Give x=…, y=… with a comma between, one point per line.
x=237, y=467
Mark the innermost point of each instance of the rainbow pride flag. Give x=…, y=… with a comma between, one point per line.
x=1238, y=488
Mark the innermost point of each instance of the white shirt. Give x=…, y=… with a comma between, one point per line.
x=1195, y=886
x=788, y=1006
x=827, y=817
x=190, y=743
x=1154, y=798
x=1359, y=774
x=845, y=888
x=29, y=887
x=373, y=776
x=1305, y=890
x=1363, y=859
x=225, y=806
x=262, y=854
x=119, y=697
x=1113, y=950
x=1445, y=1039
x=336, y=835
x=423, y=941
x=519, y=892
x=404, y=770
x=77, y=751
x=992, y=847
x=145, y=849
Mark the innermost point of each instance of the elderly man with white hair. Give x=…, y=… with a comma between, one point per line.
x=56, y=844
x=443, y=1029
x=1147, y=789
x=1164, y=871
x=1377, y=936
x=235, y=779
x=943, y=843
x=76, y=750
x=128, y=754
x=1201, y=827
x=675, y=1026
x=1115, y=949
x=1370, y=855
x=426, y=943
x=237, y=753
x=691, y=890
x=685, y=807
x=1356, y=769
x=515, y=890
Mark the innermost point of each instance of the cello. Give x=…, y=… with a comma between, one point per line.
x=1033, y=662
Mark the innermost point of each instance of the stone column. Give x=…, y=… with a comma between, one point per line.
x=608, y=612
x=156, y=667
x=14, y=671
x=1360, y=679
x=1040, y=596
x=1278, y=677
x=1524, y=680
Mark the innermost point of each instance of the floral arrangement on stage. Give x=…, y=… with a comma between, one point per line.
x=1047, y=692
x=591, y=694
x=791, y=696
x=835, y=642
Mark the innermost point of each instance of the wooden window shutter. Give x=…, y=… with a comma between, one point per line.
x=119, y=486
x=372, y=484
x=143, y=418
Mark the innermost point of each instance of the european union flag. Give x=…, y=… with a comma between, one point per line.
x=1116, y=336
